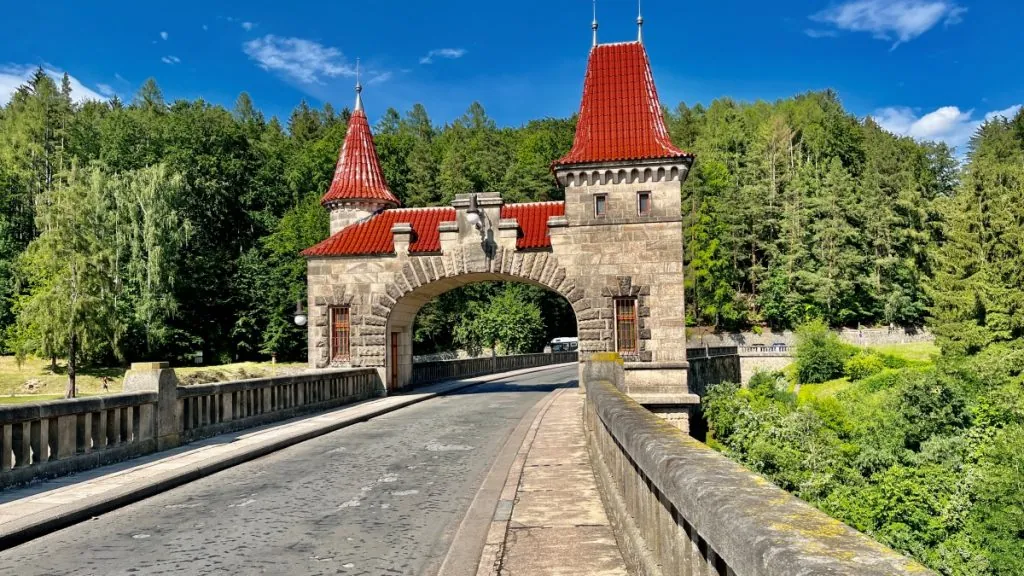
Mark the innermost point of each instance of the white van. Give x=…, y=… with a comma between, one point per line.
x=566, y=344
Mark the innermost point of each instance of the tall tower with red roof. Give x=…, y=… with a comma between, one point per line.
x=613, y=248
x=359, y=188
x=622, y=182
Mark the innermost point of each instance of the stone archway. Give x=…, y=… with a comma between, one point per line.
x=613, y=247
x=424, y=278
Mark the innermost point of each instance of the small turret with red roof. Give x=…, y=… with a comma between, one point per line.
x=359, y=188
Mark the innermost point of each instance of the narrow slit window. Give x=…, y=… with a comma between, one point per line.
x=341, y=332
x=625, y=325
x=600, y=205
x=643, y=203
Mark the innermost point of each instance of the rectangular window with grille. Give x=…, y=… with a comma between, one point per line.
x=643, y=203
x=341, y=332
x=625, y=326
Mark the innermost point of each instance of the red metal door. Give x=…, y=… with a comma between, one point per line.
x=394, y=361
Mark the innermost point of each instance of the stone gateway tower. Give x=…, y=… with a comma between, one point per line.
x=613, y=248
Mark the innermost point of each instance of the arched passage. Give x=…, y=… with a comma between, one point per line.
x=419, y=279
x=400, y=321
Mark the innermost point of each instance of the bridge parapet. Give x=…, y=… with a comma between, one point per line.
x=209, y=409
x=48, y=439
x=679, y=507
x=63, y=436
x=435, y=371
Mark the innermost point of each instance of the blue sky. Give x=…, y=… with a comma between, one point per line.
x=928, y=68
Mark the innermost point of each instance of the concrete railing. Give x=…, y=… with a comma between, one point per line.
x=766, y=350
x=210, y=409
x=679, y=507
x=64, y=436
x=440, y=370
x=49, y=439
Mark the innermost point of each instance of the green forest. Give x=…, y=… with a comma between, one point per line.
x=155, y=229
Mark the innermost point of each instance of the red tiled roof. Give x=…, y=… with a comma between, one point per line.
x=373, y=235
x=533, y=222
x=620, y=116
x=358, y=175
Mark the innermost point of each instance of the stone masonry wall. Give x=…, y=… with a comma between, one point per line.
x=593, y=260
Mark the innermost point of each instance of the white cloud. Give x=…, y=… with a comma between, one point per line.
x=164, y=35
x=947, y=124
x=1008, y=113
x=120, y=78
x=105, y=89
x=301, y=60
x=205, y=27
x=817, y=33
x=12, y=77
x=247, y=26
x=378, y=78
x=902, y=20
x=172, y=60
x=443, y=53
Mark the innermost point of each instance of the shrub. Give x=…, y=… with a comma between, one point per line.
x=883, y=380
x=863, y=365
x=767, y=383
x=820, y=355
x=892, y=361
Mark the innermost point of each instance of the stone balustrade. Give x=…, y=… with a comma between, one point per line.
x=64, y=436
x=449, y=369
x=783, y=350
x=47, y=439
x=210, y=409
x=679, y=507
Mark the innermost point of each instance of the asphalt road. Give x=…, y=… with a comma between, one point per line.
x=381, y=497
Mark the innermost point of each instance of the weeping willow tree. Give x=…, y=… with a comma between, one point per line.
x=71, y=271
x=102, y=266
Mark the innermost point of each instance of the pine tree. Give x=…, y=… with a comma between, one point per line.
x=980, y=266
x=150, y=98
x=305, y=123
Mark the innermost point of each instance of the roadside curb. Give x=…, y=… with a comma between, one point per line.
x=494, y=546
x=35, y=525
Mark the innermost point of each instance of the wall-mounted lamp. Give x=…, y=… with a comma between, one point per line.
x=473, y=213
x=300, y=314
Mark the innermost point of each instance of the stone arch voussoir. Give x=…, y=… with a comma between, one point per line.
x=539, y=268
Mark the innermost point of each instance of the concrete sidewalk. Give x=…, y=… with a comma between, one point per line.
x=43, y=507
x=550, y=518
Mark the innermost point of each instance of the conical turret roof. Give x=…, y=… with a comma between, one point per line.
x=620, y=116
x=358, y=175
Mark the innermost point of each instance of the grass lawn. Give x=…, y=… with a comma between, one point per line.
x=920, y=351
x=33, y=381
x=824, y=390
x=914, y=351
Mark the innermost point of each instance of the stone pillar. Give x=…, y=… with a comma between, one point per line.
x=603, y=366
x=160, y=378
x=402, y=235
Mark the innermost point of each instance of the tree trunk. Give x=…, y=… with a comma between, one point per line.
x=53, y=364
x=72, y=352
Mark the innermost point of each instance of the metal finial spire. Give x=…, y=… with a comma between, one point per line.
x=593, y=25
x=359, y=89
x=639, y=22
